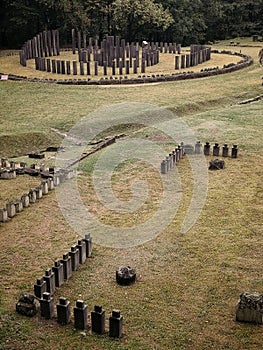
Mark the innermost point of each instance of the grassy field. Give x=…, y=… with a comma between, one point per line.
x=188, y=284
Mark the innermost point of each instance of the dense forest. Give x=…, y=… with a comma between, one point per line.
x=184, y=21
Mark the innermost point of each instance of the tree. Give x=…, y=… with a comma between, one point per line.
x=139, y=19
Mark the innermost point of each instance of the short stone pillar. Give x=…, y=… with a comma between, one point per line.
x=25, y=200
x=58, y=273
x=88, y=240
x=44, y=187
x=234, y=151
x=38, y=192
x=40, y=287
x=18, y=205
x=80, y=315
x=216, y=150
x=207, y=149
x=98, y=320
x=67, y=267
x=198, y=147
x=82, y=251
x=11, y=209
x=63, y=311
x=32, y=196
x=74, y=254
x=250, y=308
x=115, y=324
x=50, y=184
x=47, y=306
x=225, y=150
x=3, y=215
x=50, y=281
x=164, y=167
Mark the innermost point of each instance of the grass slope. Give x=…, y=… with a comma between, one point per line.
x=189, y=284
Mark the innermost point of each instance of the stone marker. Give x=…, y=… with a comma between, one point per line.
x=74, y=254
x=40, y=287
x=3, y=215
x=11, y=209
x=50, y=281
x=25, y=200
x=164, y=167
x=32, y=196
x=82, y=251
x=58, y=273
x=225, y=150
x=67, y=267
x=80, y=315
x=47, y=306
x=198, y=147
x=216, y=150
x=250, y=308
x=207, y=149
x=98, y=320
x=63, y=311
x=18, y=205
x=234, y=151
x=88, y=240
x=115, y=324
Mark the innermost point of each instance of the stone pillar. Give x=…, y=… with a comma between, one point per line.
x=80, y=315
x=54, y=69
x=18, y=205
x=11, y=209
x=198, y=147
x=3, y=215
x=225, y=150
x=50, y=281
x=44, y=187
x=50, y=183
x=38, y=192
x=73, y=41
x=63, y=311
x=32, y=196
x=48, y=65
x=98, y=320
x=47, y=306
x=234, y=151
x=177, y=62
x=58, y=273
x=67, y=267
x=182, y=61
x=216, y=150
x=82, y=251
x=58, y=66
x=164, y=167
x=75, y=72
x=96, y=68
x=74, y=254
x=40, y=287
x=115, y=324
x=88, y=240
x=81, y=66
x=88, y=68
x=63, y=67
x=68, y=67
x=207, y=149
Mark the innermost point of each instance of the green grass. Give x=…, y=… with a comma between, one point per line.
x=189, y=285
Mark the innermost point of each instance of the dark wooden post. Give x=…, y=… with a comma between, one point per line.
x=177, y=62
x=96, y=68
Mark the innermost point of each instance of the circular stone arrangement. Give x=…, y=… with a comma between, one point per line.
x=114, y=61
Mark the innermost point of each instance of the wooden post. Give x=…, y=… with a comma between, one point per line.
x=63, y=67
x=177, y=62
x=81, y=65
x=53, y=62
x=96, y=68
x=88, y=68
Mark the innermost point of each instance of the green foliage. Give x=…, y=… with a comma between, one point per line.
x=182, y=21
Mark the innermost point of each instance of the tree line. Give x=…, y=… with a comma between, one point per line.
x=181, y=21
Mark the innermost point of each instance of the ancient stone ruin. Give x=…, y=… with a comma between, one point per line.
x=250, y=308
